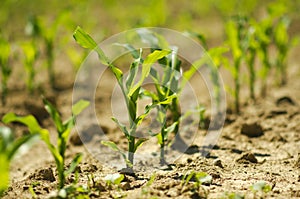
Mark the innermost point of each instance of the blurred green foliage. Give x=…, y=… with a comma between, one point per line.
x=113, y=16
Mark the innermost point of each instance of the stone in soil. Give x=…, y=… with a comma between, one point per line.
x=43, y=174
x=246, y=158
x=252, y=129
x=218, y=163
x=285, y=100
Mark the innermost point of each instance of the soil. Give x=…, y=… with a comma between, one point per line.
x=262, y=143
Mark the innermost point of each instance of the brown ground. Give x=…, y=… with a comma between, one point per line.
x=273, y=157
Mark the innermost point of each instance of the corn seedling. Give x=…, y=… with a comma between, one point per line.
x=31, y=53
x=36, y=27
x=63, y=131
x=130, y=91
x=263, y=36
x=145, y=189
x=115, y=179
x=233, y=32
x=5, y=68
x=251, y=48
x=198, y=178
x=283, y=44
x=260, y=188
x=233, y=196
x=166, y=85
x=9, y=147
x=213, y=57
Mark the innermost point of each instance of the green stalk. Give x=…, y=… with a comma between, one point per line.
x=162, y=160
x=266, y=69
x=4, y=90
x=237, y=85
x=50, y=57
x=282, y=67
x=252, y=76
x=131, y=143
x=61, y=175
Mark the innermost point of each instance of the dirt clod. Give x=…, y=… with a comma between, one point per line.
x=246, y=158
x=75, y=140
x=252, y=129
x=285, y=100
x=218, y=163
x=43, y=174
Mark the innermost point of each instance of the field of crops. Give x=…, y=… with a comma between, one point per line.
x=149, y=99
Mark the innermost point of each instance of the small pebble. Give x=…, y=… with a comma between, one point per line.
x=246, y=158
x=218, y=162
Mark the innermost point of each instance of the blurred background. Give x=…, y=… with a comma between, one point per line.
x=50, y=24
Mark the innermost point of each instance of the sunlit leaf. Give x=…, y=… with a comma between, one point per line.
x=79, y=107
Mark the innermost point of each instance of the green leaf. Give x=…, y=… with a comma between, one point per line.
x=30, y=51
x=84, y=39
x=115, y=178
x=77, y=159
x=4, y=174
x=5, y=50
x=121, y=126
x=117, y=72
x=147, y=64
x=21, y=145
x=261, y=186
x=235, y=196
x=79, y=107
x=233, y=39
x=203, y=177
x=133, y=70
x=135, y=95
x=187, y=75
x=171, y=128
x=155, y=40
x=54, y=115
x=159, y=138
x=199, y=36
x=139, y=143
x=168, y=99
x=29, y=121
x=6, y=138
x=114, y=147
x=133, y=51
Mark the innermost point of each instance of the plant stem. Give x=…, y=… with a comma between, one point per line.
x=61, y=175
x=162, y=160
x=237, y=86
x=266, y=68
x=131, y=143
x=252, y=77
x=4, y=91
x=49, y=52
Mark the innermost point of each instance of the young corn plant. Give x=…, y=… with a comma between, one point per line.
x=37, y=28
x=283, y=44
x=251, y=47
x=31, y=53
x=169, y=84
x=4, y=67
x=215, y=59
x=198, y=178
x=9, y=148
x=260, y=189
x=131, y=89
x=263, y=37
x=233, y=32
x=63, y=131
